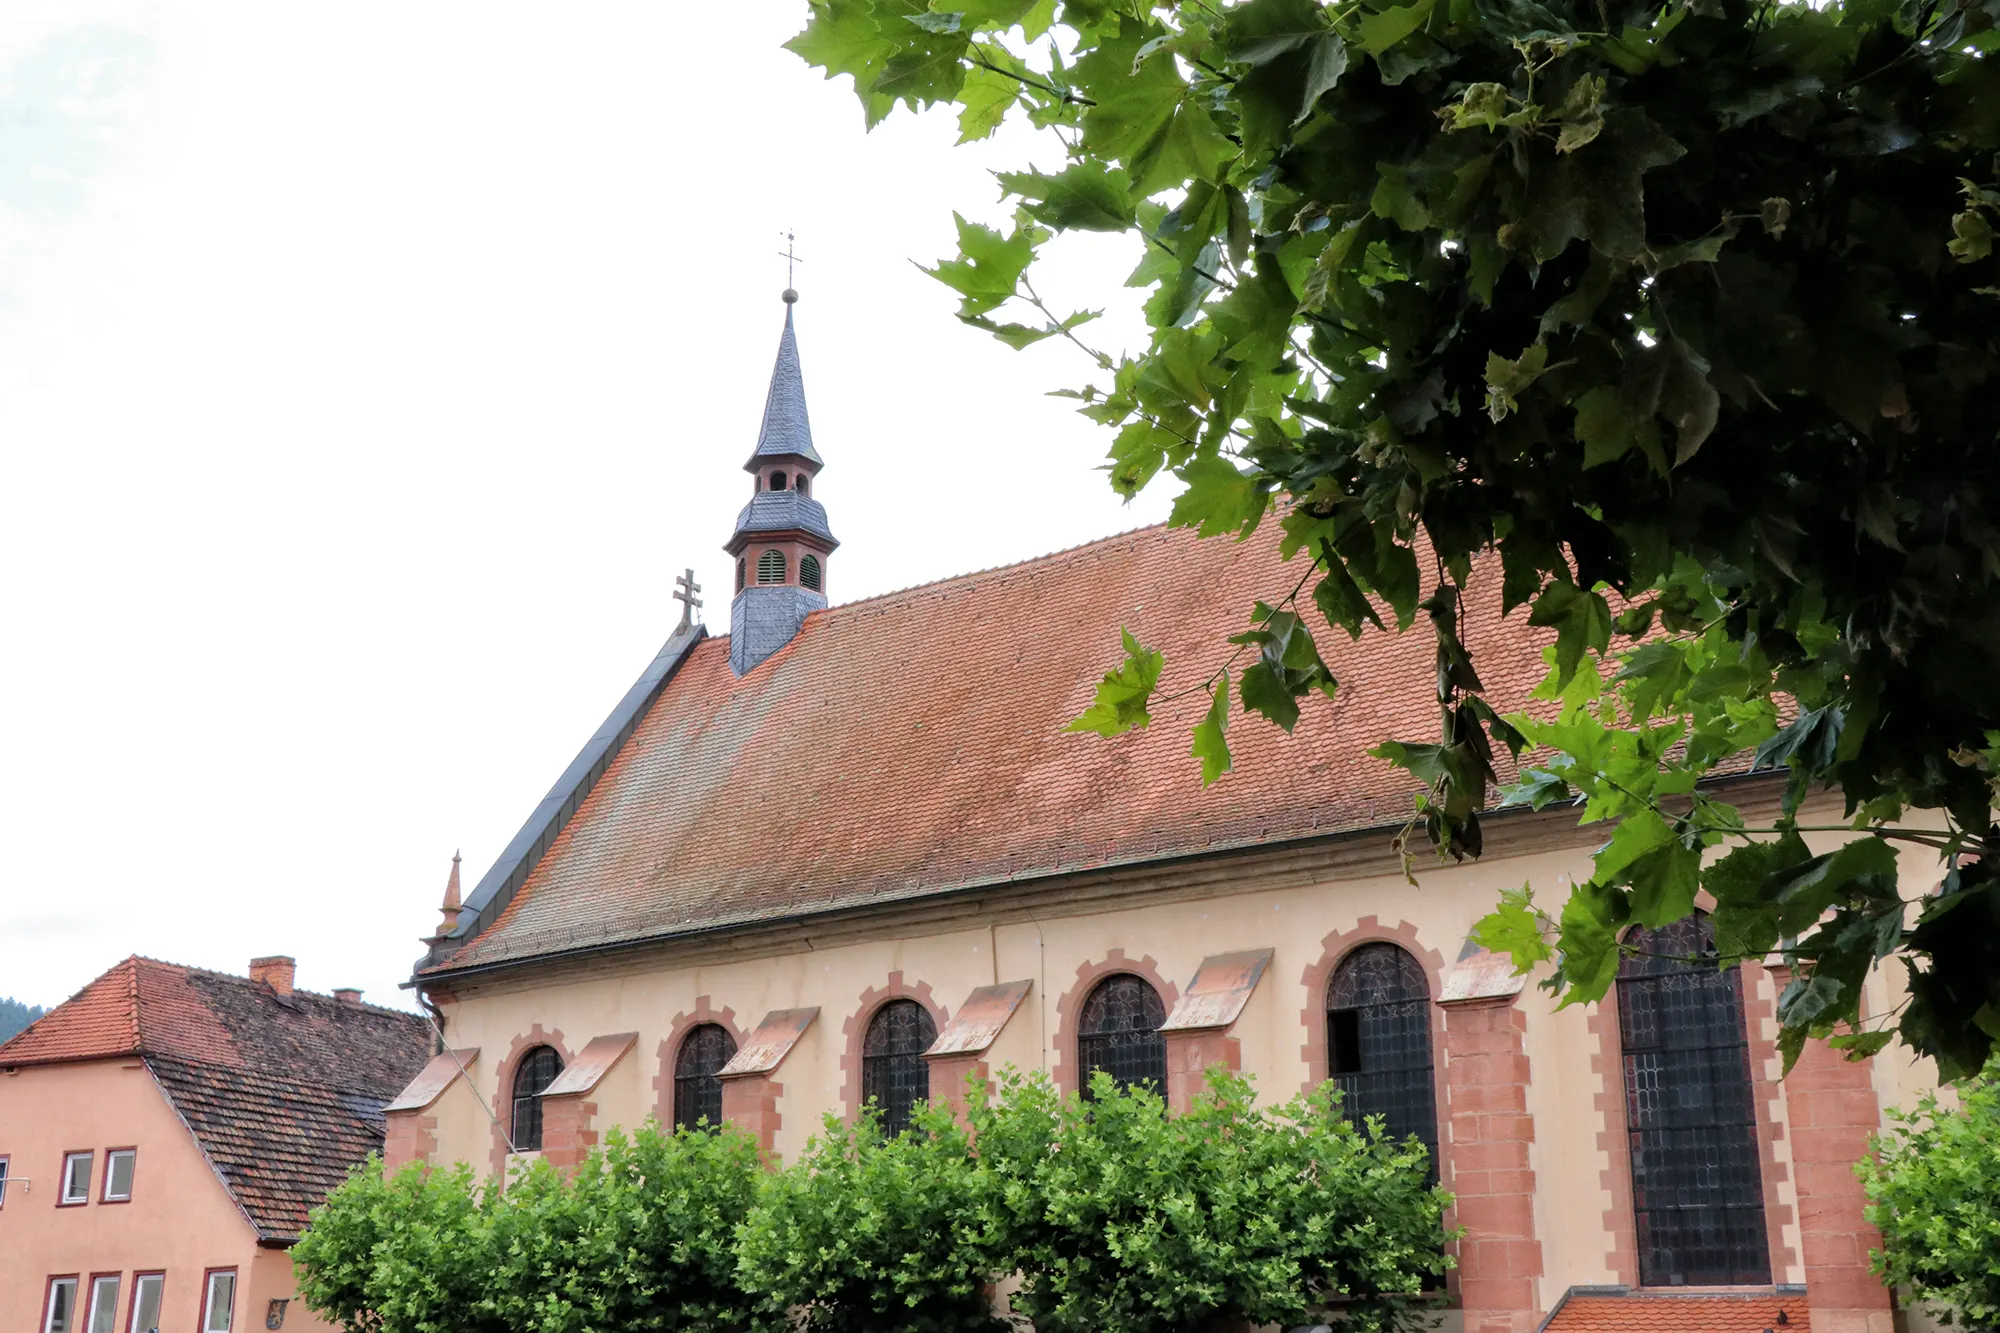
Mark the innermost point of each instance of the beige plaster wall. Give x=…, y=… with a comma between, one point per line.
x=1293, y=913
x=179, y=1220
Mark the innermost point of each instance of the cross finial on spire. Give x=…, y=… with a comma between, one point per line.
x=792, y=260
x=685, y=590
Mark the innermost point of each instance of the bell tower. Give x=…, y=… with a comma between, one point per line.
x=782, y=541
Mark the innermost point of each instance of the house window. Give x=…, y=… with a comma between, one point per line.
x=894, y=1074
x=697, y=1090
x=118, y=1167
x=147, y=1289
x=1697, y=1186
x=771, y=567
x=809, y=571
x=76, y=1177
x=103, y=1304
x=1119, y=1032
x=218, y=1300
x=1378, y=1038
x=537, y=1070
x=3, y=1182
x=59, y=1307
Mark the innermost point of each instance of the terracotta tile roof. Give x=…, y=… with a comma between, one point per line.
x=283, y=1093
x=1681, y=1314
x=912, y=744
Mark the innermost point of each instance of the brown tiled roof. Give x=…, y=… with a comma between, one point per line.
x=913, y=744
x=1681, y=1314
x=283, y=1093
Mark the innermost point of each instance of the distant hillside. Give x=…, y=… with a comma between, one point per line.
x=14, y=1016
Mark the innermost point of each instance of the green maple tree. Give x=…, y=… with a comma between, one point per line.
x=1686, y=309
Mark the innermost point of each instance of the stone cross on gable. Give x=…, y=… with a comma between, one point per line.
x=685, y=592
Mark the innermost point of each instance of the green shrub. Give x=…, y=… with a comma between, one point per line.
x=642, y=1240
x=870, y=1234
x=1118, y=1215
x=409, y=1253
x=1934, y=1191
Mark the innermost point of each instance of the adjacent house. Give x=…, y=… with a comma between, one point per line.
x=164, y=1133
x=847, y=854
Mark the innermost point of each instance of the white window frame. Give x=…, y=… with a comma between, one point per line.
x=4, y=1161
x=89, y=1160
x=208, y=1281
x=97, y=1282
x=139, y=1281
x=49, y=1304
x=111, y=1157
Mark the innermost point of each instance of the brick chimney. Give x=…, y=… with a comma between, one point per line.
x=347, y=995
x=276, y=972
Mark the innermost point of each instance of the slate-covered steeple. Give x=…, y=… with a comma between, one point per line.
x=782, y=541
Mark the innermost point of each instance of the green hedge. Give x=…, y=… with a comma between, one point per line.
x=1105, y=1213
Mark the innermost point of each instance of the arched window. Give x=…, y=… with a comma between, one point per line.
x=894, y=1074
x=771, y=567
x=777, y=481
x=1378, y=1043
x=739, y=573
x=799, y=483
x=1119, y=1032
x=809, y=571
x=697, y=1090
x=538, y=1068
x=1697, y=1186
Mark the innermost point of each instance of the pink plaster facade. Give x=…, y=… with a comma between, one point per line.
x=180, y=1221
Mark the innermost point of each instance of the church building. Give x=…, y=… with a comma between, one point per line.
x=848, y=853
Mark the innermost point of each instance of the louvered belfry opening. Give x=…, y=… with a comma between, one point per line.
x=1378, y=1035
x=1119, y=1032
x=538, y=1068
x=697, y=1090
x=894, y=1074
x=1697, y=1182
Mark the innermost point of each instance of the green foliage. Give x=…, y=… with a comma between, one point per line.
x=873, y=1234
x=411, y=1253
x=1934, y=1191
x=643, y=1238
x=1684, y=308
x=1120, y=1216
x=15, y=1016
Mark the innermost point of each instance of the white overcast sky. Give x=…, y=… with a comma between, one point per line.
x=367, y=372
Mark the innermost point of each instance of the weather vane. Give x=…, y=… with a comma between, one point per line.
x=791, y=258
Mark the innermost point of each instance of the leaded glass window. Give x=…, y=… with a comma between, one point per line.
x=1119, y=1032
x=894, y=1074
x=697, y=1090
x=1378, y=1037
x=1697, y=1182
x=538, y=1068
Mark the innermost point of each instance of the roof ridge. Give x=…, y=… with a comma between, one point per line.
x=1006, y=567
x=131, y=966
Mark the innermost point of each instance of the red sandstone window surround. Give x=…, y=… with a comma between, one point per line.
x=120, y=1164
x=75, y=1179
x=218, y=1300
x=148, y=1290
x=59, y=1306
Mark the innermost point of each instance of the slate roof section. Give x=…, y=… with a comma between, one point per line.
x=912, y=745
x=547, y=820
x=782, y=511
x=786, y=432
x=1680, y=1314
x=283, y=1093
